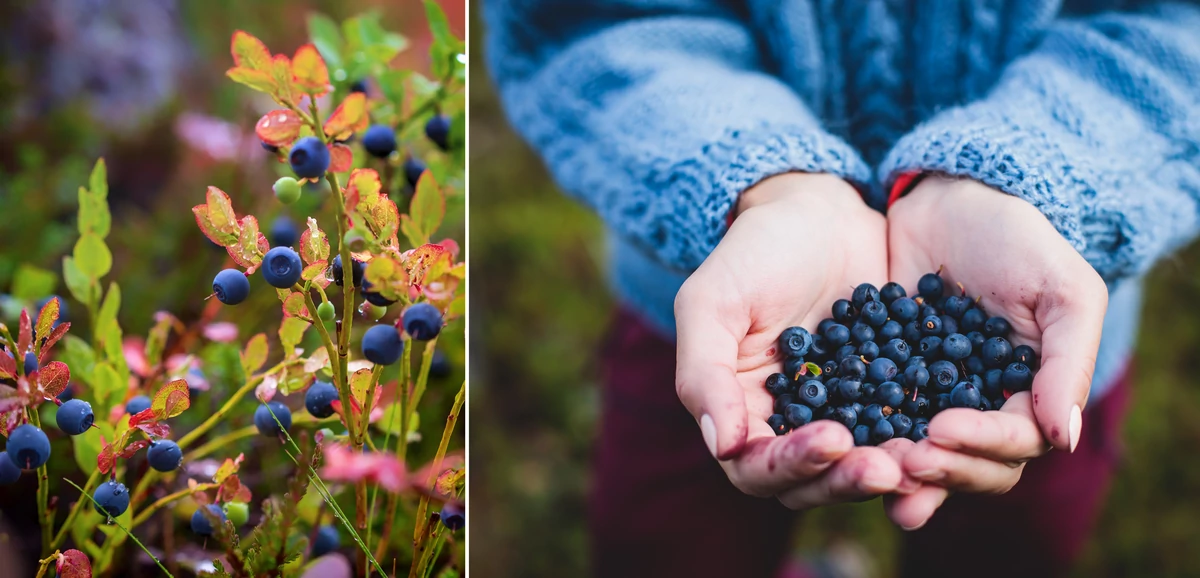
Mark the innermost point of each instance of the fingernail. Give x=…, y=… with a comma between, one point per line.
x=874, y=482
x=1074, y=426
x=708, y=429
x=927, y=475
x=911, y=528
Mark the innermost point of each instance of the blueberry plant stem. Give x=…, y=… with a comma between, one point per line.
x=45, y=563
x=435, y=470
x=43, y=492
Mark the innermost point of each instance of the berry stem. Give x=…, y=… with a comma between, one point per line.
x=45, y=563
x=422, y=518
x=43, y=491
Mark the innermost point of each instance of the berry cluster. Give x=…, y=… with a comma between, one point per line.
x=885, y=363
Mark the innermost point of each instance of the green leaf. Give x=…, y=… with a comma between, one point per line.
x=31, y=283
x=80, y=357
x=427, y=208
x=107, y=391
x=438, y=25
x=325, y=36
x=813, y=368
x=88, y=446
x=98, y=181
x=291, y=332
x=390, y=422
x=360, y=385
x=92, y=256
x=81, y=288
x=255, y=354
x=458, y=307
x=108, y=311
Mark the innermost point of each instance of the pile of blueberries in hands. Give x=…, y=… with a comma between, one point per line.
x=886, y=363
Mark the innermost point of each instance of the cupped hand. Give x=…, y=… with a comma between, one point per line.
x=1003, y=250
x=798, y=242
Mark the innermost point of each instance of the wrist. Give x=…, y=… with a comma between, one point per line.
x=789, y=187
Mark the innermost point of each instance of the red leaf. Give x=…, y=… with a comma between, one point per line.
x=341, y=158
x=47, y=316
x=171, y=400
x=314, y=243
x=229, y=468
x=52, y=379
x=10, y=399
x=232, y=490
x=132, y=449
x=8, y=366
x=294, y=306
x=309, y=70
x=251, y=245
x=278, y=127
x=346, y=465
x=248, y=51
x=56, y=334
x=74, y=564
x=216, y=218
x=106, y=459
x=350, y=116
x=25, y=336
x=156, y=429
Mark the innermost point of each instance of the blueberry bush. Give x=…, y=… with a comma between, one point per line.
x=332, y=385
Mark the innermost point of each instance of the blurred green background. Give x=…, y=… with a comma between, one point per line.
x=539, y=309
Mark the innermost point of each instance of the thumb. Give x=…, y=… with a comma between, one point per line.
x=706, y=372
x=1072, y=324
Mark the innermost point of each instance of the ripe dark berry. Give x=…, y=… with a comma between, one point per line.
x=829, y=369
x=844, y=415
x=356, y=272
x=861, y=332
x=267, y=413
x=795, y=342
x=380, y=141
x=972, y=320
x=984, y=404
x=852, y=368
x=837, y=335
x=797, y=415
x=1025, y=354
x=359, y=85
x=327, y=541
x=413, y=169
x=868, y=351
x=930, y=346
x=778, y=424
x=949, y=325
x=843, y=311
x=319, y=398
x=31, y=363
x=438, y=131
x=874, y=313
x=957, y=305
x=281, y=267
x=904, y=310
x=844, y=352
x=868, y=391
x=202, y=525
x=965, y=394
x=916, y=376
x=820, y=347
x=872, y=413
x=824, y=324
x=882, y=431
x=889, y=331
x=993, y=383
x=862, y=435
x=813, y=394
x=912, y=332
x=75, y=417
x=792, y=367
x=112, y=499
x=901, y=424
x=956, y=346
x=881, y=370
x=863, y=294
x=164, y=455
x=974, y=364
x=382, y=345
x=28, y=446
x=931, y=325
x=889, y=394
x=848, y=390
x=920, y=430
x=137, y=404
x=942, y=375
x=309, y=158
x=268, y=147
x=916, y=360
x=452, y=517
x=1017, y=377
x=977, y=340
x=890, y=292
x=231, y=286
x=915, y=408
x=996, y=352
x=930, y=286
x=422, y=321
x=781, y=403
x=941, y=402
x=439, y=366
x=997, y=327
x=284, y=233
x=896, y=350
x=9, y=472
x=778, y=384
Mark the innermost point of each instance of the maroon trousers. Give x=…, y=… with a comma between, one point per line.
x=662, y=507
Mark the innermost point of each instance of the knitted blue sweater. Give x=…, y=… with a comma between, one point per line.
x=658, y=113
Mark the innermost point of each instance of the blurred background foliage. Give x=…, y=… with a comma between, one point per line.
x=540, y=308
x=142, y=83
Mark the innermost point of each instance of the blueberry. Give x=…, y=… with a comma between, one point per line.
x=993, y=383
x=137, y=404
x=844, y=311
x=9, y=472
x=309, y=158
x=439, y=366
x=984, y=404
x=916, y=360
x=941, y=402
x=852, y=368
x=795, y=342
x=868, y=391
x=976, y=380
x=267, y=413
x=889, y=394
x=861, y=332
x=974, y=364
x=965, y=394
x=868, y=351
x=916, y=376
x=1017, y=377
x=904, y=310
x=797, y=415
x=912, y=332
x=890, y=292
x=949, y=325
x=956, y=346
x=848, y=390
x=382, y=345
x=820, y=347
x=356, y=272
x=438, y=131
x=380, y=141
x=31, y=363
x=284, y=232
x=920, y=430
x=997, y=327
x=872, y=414
x=972, y=320
x=882, y=431
x=837, y=335
x=1025, y=354
x=792, y=367
x=977, y=340
x=896, y=350
x=268, y=147
x=901, y=424
x=281, y=267
x=376, y=299
x=930, y=346
x=829, y=368
x=881, y=370
x=452, y=517
x=782, y=402
x=75, y=417
x=231, y=286
x=942, y=375
x=28, y=446
x=874, y=313
x=844, y=415
x=359, y=85
x=916, y=407
x=957, y=305
x=778, y=424
x=930, y=286
x=319, y=398
x=862, y=435
x=858, y=408
x=813, y=394
x=202, y=525
x=824, y=324
x=164, y=455
x=996, y=352
x=931, y=325
x=327, y=540
x=778, y=384
x=413, y=169
x=845, y=352
x=67, y=394
x=890, y=330
x=863, y=294
x=422, y=321
x=112, y=498
x=927, y=310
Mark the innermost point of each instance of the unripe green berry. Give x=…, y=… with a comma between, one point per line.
x=237, y=512
x=355, y=241
x=376, y=312
x=287, y=190
x=325, y=311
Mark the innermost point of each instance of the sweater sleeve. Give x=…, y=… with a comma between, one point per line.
x=656, y=113
x=1098, y=126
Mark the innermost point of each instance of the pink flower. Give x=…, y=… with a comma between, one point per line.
x=221, y=140
x=135, y=355
x=343, y=464
x=221, y=332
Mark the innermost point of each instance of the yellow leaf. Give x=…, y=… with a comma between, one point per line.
x=249, y=52
x=309, y=71
x=259, y=80
x=350, y=116
x=286, y=90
